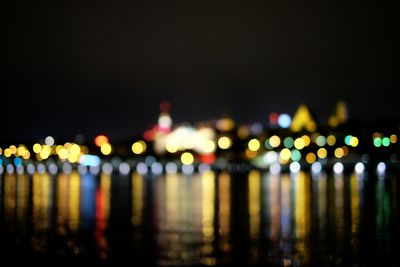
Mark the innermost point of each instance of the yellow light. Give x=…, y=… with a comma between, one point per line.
x=67, y=145
x=7, y=153
x=187, y=158
x=172, y=146
x=333, y=121
x=224, y=142
x=285, y=154
x=209, y=146
x=299, y=143
x=322, y=153
x=139, y=147
x=63, y=153
x=47, y=149
x=354, y=141
x=13, y=149
x=106, y=149
x=274, y=141
x=254, y=144
x=26, y=154
x=339, y=153
x=20, y=150
x=331, y=140
x=1, y=151
x=311, y=158
x=393, y=139
x=58, y=149
x=311, y=126
x=37, y=148
x=73, y=158
x=306, y=140
x=53, y=150
x=303, y=119
x=75, y=149
x=44, y=154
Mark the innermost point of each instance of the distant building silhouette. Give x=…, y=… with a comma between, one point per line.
x=303, y=119
x=340, y=116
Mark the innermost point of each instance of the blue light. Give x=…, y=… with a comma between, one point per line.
x=284, y=120
x=17, y=161
x=89, y=160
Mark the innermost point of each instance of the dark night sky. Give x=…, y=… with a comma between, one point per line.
x=105, y=66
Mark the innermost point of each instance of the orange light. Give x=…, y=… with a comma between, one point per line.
x=101, y=140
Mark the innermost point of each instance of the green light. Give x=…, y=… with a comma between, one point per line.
x=296, y=155
x=347, y=139
x=267, y=144
x=377, y=142
x=321, y=140
x=386, y=141
x=288, y=142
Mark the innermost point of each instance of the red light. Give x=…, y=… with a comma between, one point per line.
x=209, y=159
x=148, y=135
x=273, y=118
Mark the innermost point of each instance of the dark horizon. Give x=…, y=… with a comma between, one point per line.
x=104, y=68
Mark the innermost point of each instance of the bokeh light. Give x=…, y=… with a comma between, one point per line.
x=254, y=144
x=139, y=147
x=187, y=158
x=100, y=140
x=106, y=149
x=224, y=142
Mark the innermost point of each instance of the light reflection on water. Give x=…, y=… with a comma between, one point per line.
x=213, y=218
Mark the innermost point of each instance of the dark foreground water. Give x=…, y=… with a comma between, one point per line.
x=213, y=218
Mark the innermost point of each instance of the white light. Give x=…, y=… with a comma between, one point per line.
x=381, y=168
x=338, y=168
x=316, y=167
x=156, y=168
x=359, y=168
x=188, y=169
x=82, y=169
x=124, y=168
x=67, y=168
x=94, y=170
x=10, y=168
x=270, y=157
x=171, y=167
x=203, y=167
x=275, y=168
x=165, y=121
x=20, y=169
x=53, y=168
x=141, y=168
x=107, y=168
x=30, y=168
x=49, y=141
x=41, y=168
x=294, y=167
